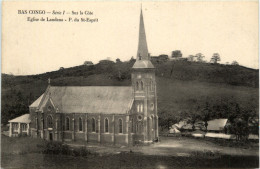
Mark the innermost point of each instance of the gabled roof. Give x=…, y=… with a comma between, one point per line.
x=21, y=119
x=36, y=102
x=217, y=124
x=88, y=99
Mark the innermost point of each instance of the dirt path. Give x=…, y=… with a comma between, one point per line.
x=172, y=146
x=184, y=146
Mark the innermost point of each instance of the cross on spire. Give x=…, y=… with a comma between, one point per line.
x=140, y=57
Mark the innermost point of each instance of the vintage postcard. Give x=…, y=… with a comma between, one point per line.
x=130, y=84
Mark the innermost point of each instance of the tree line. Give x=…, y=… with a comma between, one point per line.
x=243, y=120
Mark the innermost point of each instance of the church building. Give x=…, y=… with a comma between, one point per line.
x=101, y=114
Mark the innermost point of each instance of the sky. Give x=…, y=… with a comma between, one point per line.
x=229, y=28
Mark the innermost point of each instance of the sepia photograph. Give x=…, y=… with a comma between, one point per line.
x=130, y=84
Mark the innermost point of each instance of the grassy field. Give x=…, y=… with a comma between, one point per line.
x=24, y=153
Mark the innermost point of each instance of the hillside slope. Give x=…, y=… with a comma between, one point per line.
x=182, y=86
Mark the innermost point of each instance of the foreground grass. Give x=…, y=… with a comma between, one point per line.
x=20, y=145
x=126, y=160
x=31, y=156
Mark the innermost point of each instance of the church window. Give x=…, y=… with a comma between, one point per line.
x=152, y=106
x=142, y=85
x=137, y=85
x=132, y=127
x=138, y=108
x=93, y=125
x=151, y=86
x=152, y=122
x=120, y=126
x=36, y=123
x=106, y=125
x=80, y=124
x=141, y=107
x=49, y=122
x=49, y=108
x=139, y=118
x=67, y=123
x=56, y=124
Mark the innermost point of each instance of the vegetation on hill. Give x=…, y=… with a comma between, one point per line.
x=184, y=88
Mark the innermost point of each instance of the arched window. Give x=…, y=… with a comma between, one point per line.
x=141, y=108
x=80, y=124
x=36, y=123
x=56, y=124
x=138, y=108
x=132, y=127
x=49, y=122
x=152, y=122
x=137, y=86
x=151, y=86
x=142, y=85
x=106, y=125
x=93, y=121
x=67, y=123
x=120, y=121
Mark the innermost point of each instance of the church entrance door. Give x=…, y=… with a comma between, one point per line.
x=50, y=136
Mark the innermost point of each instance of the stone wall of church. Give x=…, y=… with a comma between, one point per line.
x=80, y=127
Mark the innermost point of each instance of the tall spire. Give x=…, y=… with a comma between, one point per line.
x=142, y=52
x=142, y=59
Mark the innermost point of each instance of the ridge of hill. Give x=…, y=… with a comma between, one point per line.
x=182, y=86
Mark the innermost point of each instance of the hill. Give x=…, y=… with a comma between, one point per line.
x=183, y=87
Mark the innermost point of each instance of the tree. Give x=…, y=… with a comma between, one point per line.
x=163, y=58
x=132, y=60
x=191, y=58
x=199, y=57
x=206, y=115
x=234, y=63
x=215, y=58
x=118, y=60
x=193, y=117
x=176, y=54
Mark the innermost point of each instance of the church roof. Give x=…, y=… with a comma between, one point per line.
x=87, y=99
x=36, y=102
x=21, y=119
x=143, y=64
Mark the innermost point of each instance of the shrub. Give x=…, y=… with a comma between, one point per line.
x=206, y=154
x=59, y=148
x=53, y=148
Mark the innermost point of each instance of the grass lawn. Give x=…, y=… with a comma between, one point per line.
x=20, y=145
x=24, y=153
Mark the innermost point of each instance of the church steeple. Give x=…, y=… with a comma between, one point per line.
x=144, y=113
x=142, y=51
x=142, y=59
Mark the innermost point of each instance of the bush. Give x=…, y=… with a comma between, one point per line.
x=59, y=148
x=53, y=148
x=206, y=154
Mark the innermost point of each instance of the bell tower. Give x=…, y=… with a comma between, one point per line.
x=144, y=112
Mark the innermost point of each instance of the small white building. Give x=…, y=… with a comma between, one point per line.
x=20, y=126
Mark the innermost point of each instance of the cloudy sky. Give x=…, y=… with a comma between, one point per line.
x=228, y=28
